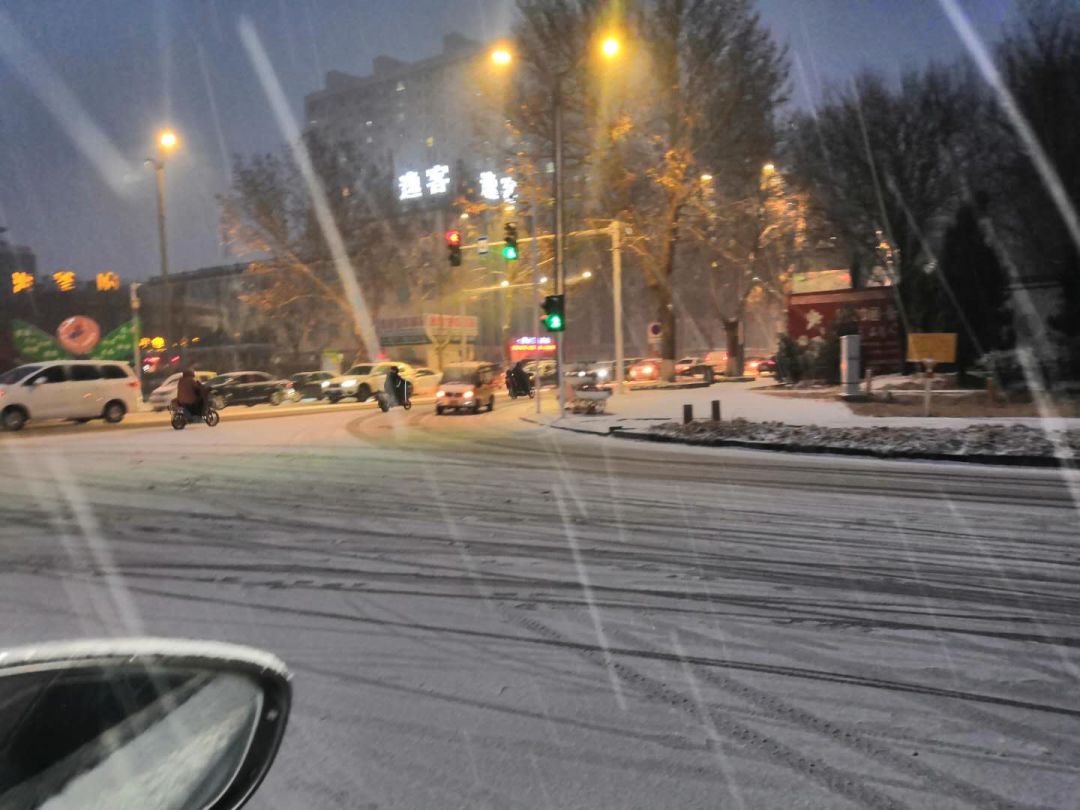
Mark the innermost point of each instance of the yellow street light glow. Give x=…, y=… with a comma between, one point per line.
x=465, y=215
x=504, y=283
x=610, y=47
x=501, y=57
x=587, y=274
x=543, y=279
x=705, y=178
x=167, y=139
x=768, y=168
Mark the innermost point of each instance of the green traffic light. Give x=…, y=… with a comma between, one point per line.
x=510, y=253
x=554, y=323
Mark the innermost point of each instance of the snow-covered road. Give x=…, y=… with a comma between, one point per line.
x=485, y=613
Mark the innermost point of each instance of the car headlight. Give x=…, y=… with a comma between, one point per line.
x=647, y=370
x=602, y=373
x=469, y=395
x=349, y=384
x=325, y=383
x=440, y=394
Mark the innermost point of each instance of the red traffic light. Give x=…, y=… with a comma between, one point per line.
x=453, y=238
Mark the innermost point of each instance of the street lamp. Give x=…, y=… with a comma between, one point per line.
x=587, y=274
x=167, y=141
x=610, y=46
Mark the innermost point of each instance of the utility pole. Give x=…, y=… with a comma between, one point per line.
x=534, y=249
x=560, y=258
x=616, y=294
x=136, y=332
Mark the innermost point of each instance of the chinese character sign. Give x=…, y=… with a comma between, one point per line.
x=438, y=179
x=64, y=280
x=108, y=281
x=508, y=185
x=489, y=186
x=410, y=186
x=21, y=282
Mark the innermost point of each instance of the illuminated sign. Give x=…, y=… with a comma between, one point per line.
x=107, y=281
x=438, y=179
x=533, y=346
x=411, y=184
x=64, y=280
x=21, y=282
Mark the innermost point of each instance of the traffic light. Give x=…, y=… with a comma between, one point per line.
x=453, y=245
x=510, y=251
x=555, y=313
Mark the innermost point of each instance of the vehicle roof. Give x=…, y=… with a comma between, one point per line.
x=73, y=363
x=469, y=364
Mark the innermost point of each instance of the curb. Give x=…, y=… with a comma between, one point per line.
x=1044, y=462
x=666, y=386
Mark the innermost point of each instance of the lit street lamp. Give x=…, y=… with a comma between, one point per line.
x=610, y=47
x=167, y=141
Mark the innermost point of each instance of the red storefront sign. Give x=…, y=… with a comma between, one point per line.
x=874, y=309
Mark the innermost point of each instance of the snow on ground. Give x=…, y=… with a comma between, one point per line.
x=482, y=613
x=750, y=401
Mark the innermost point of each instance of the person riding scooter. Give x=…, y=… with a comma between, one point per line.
x=191, y=394
x=517, y=380
x=396, y=387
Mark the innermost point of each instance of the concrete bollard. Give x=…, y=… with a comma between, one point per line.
x=716, y=410
x=687, y=414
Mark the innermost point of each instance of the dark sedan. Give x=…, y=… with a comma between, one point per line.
x=309, y=384
x=247, y=388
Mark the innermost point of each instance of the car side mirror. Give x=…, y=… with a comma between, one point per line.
x=137, y=723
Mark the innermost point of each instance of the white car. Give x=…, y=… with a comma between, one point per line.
x=165, y=393
x=80, y=390
x=363, y=380
x=426, y=381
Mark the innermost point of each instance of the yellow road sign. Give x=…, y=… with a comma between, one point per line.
x=940, y=347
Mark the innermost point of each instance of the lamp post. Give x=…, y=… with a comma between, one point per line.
x=167, y=141
x=610, y=47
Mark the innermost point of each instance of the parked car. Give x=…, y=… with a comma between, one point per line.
x=247, y=388
x=468, y=387
x=363, y=380
x=165, y=393
x=647, y=369
x=79, y=390
x=543, y=372
x=603, y=369
x=425, y=381
x=309, y=384
x=717, y=360
x=759, y=365
x=688, y=365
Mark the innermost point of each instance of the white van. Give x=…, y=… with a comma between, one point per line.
x=67, y=389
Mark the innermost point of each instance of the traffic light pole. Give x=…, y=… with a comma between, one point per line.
x=560, y=258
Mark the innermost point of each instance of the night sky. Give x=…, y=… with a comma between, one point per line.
x=108, y=73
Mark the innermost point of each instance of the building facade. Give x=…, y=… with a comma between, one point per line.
x=436, y=123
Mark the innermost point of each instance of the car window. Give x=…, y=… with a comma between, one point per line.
x=115, y=372
x=358, y=371
x=52, y=374
x=424, y=372
x=14, y=375
x=83, y=373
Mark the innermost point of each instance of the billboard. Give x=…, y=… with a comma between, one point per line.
x=874, y=309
